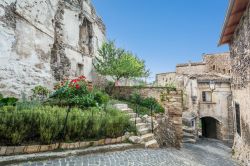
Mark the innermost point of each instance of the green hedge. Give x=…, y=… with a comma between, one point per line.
x=44, y=124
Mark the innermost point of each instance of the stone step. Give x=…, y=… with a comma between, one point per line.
x=188, y=130
x=132, y=115
x=189, y=140
x=121, y=106
x=147, y=137
x=141, y=125
x=144, y=131
x=127, y=110
x=188, y=135
x=152, y=144
x=138, y=120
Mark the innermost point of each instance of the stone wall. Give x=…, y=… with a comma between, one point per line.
x=171, y=101
x=191, y=68
x=240, y=55
x=218, y=63
x=42, y=41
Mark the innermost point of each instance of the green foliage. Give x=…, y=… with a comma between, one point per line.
x=170, y=87
x=109, y=87
x=1, y=96
x=145, y=104
x=8, y=101
x=40, y=92
x=44, y=124
x=27, y=105
x=100, y=97
x=119, y=63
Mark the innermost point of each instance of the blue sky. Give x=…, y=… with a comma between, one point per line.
x=164, y=32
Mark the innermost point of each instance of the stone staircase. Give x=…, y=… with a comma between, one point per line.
x=144, y=130
x=188, y=135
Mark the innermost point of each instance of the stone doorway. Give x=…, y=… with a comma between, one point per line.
x=210, y=127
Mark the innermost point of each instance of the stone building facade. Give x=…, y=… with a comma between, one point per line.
x=218, y=63
x=43, y=41
x=164, y=79
x=236, y=33
x=207, y=97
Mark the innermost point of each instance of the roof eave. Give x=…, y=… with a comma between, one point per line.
x=229, y=10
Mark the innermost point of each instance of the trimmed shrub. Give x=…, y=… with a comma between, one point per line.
x=8, y=101
x=45, y=124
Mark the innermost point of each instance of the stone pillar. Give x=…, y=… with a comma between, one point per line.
x=174, y=110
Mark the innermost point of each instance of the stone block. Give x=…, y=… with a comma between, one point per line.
x=53, y=146
x=108, y=141
x=101, y=142
x=44, y=148
x=73, y=145
x=113, y=140
x=88, y=144
x=64, y=146
x=19, y=149
x=95, y=143
x=83, y=144
x=2, y=150
x=10, y=150
x=119, y=140
x=124, y=138
x=135, y=139
x=32, y=149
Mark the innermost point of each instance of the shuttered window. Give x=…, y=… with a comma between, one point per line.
x=206, y=96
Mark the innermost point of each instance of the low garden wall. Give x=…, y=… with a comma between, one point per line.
x=171, y=100
x=29, y=149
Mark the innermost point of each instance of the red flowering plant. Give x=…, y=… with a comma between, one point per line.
x=75, y=92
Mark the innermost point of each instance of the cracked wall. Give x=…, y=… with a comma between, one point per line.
x=40, y=42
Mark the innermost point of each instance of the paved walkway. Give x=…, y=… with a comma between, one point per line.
x=205, y=152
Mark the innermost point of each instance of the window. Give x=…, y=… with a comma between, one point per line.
x=206, y=96
x=237, y=110
x=79, y=70
x=213, y=67
x=224, y=71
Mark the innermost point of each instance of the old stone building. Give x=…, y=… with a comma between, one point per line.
x=164, y=79
x=206, y=97
x=43, y=41
x=236, y=33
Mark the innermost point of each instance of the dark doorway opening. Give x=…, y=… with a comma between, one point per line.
x=209, y=127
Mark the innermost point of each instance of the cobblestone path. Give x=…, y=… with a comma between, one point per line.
x=205, y=152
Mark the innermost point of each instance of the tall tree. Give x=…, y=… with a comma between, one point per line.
x=118, y=63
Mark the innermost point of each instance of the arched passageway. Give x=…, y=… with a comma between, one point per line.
x=210, y=127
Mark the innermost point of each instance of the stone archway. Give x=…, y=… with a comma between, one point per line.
x=210, y=128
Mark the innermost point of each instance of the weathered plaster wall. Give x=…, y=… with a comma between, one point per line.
x=218, y=108
x=240, y=54
x=41, y=42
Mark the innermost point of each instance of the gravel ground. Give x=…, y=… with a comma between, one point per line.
x=205, y=152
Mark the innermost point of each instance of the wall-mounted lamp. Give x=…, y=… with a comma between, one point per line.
x=212, y=85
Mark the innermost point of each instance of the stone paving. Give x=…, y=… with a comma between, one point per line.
x=205, y=152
